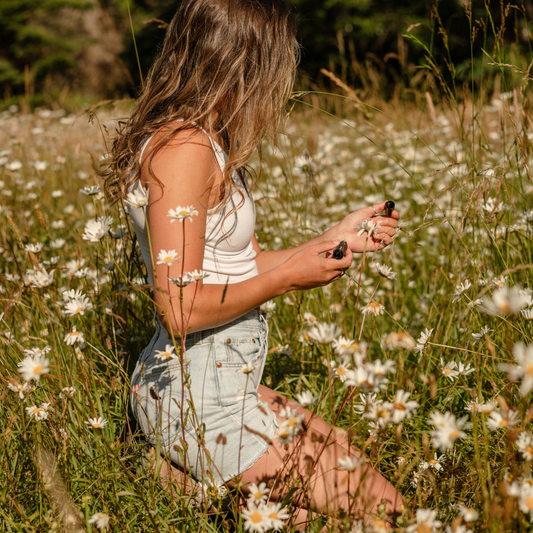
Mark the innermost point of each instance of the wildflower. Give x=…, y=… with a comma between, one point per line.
x=398, y=340
x=182, y=213
x=74, y=337
x=39, y=165
x=100, y=520
x=166, y=354
x=323, y=333
x=181, y=281
x=95, y=230
x=380, y=411
x=20, y=388
x=449, y=369
x=476, y=407
x=422, y=340
x=306, y=398
x=447, y=429
x=350, y=464
x=96, y=423
x=256, y=519
x=335, y=307
x=367, y=401
x=524, y=369
x=167, y=258
x=435, y=463
x=384, y=271
x=500, y=282
x=67, y=392
x=38, y=413
x=478, y=336
x=524, y=443
x=426, y=522
x=468, y=514
x=78, y=306
x=401, y=407
x=92, y=190
x=138, y=198
x=284, y=434
x=460, y=289
x=40, y=277
x=310, y=319
x=340, y=372
x=364, y=378
x=277, y=515
x=373, y=308
x=73, y=266
x=258, y=493
x=36, y=351
x=57, y=244
x=465, y=370
x=33, y=367
x=499, y=420
x=196, y=275
x=14, y=166
x=370, y=226
x=525, y=499
x=344, y=346
x=34, y=248
x=247, y=368
x=527, y=313
x=504, y=301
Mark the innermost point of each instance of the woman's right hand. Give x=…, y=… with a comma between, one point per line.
x=313, y=266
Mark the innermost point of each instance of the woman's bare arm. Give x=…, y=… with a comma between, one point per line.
x=189, y=173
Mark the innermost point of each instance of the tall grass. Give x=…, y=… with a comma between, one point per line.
x=459, y=169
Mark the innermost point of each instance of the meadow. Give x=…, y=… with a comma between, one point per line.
x=422, y=354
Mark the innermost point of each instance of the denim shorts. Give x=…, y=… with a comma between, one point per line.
x=207, y=418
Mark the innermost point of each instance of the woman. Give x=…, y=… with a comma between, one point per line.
x=217, y=89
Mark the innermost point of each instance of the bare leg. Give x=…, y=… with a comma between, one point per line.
x=310, y=463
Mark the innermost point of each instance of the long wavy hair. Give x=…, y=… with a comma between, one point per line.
x=231, y=59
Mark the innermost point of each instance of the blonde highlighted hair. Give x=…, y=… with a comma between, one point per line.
x=233, y=59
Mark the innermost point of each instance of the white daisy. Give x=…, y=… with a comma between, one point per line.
x=167, y=258
x=138, y=198
x=33, y=367
x=95, y=230
x=182, y=213
x=74, y=337
x=168, y=353
x=78, y=306
x=96, y=423
x=373, y=308
x=100, y=520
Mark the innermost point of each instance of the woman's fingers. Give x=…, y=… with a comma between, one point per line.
x=376, y=209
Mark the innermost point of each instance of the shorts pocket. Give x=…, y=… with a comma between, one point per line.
x=238, y=370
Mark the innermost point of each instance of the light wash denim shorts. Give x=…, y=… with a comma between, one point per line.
x=209, y=418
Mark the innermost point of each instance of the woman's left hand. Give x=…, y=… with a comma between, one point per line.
x=382, y=229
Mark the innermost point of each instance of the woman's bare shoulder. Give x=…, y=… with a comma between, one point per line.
x=180, y=159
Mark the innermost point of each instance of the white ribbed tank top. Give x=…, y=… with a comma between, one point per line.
x=229, y=256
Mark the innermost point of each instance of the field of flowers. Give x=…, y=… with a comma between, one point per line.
x=422, y=353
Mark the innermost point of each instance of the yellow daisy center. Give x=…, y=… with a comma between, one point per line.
x=529, y=370
x=374, y=305
x=454, y=434
x=258, y=495
x=341, y=371
x=504, y=423
x=292, y=421
x=400, y=406
x=529, y=450
x=529, y=502
x=38, y=369
x=504, y=306
x=273, y=515
x=423, y=528
x=79, y=309
x=97, y=425
x=256, y=517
